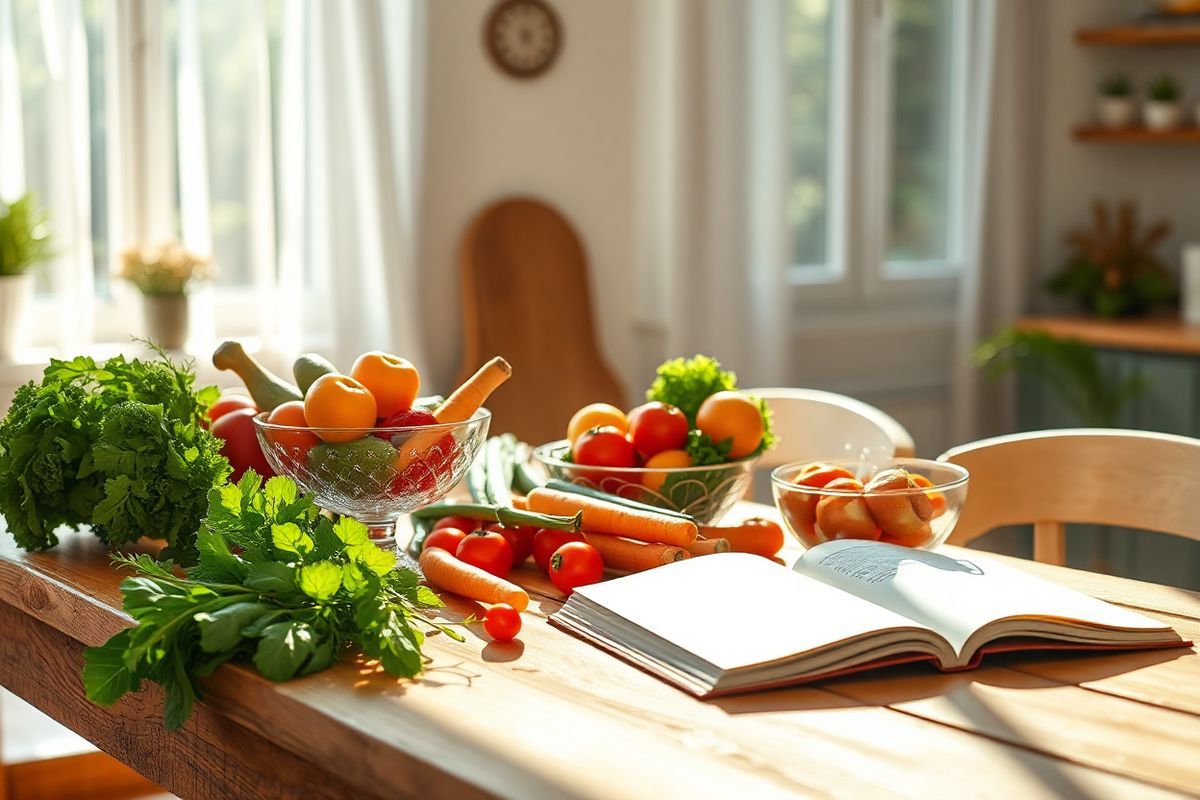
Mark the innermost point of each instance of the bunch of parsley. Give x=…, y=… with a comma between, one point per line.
x=119, y=446
x=277, y=584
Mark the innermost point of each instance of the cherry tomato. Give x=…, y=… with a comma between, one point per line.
x=732, y=416
x=294, y=442
x=520, y=539
x=603, y=447
x=487, y=550
x=595, y=415
x=392, y=380
x=502, y=622
x=241, y=446
x=446, y=538
x=546, y=541
x=229, y=402
x=575, y=564
x=403, y=419
x=655, y=427
x=462, y=523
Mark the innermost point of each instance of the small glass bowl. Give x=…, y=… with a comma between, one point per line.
x=705, y=493
x=893, y=516
x=380, y=473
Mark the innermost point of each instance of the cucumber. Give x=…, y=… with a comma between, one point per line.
x=500, y=458
x=615, y=499
x=477, y=477
x=525, y=478
x=308, y=367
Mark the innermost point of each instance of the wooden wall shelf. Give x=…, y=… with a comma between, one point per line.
x=1087, y=133
x=1140, y=35
x=1153, y=334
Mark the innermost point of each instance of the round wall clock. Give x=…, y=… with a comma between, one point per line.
x=523, y=37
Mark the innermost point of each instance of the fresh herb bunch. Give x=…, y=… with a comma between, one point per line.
x=276, y=584
x=1164, y=89
x=119, y=446
x=686, y=383
x=24, y=235
x=1116, y=85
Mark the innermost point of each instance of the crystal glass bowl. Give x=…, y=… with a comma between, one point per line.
x=380, y=473
x=916, y=517
x=705, y=493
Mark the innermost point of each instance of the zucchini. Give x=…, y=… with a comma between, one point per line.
x=500, y=457
x=525, y=479
x=477, y=477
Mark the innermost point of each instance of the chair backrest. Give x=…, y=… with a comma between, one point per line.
x=1131, y=479
x=813, y=424
x=526, y=297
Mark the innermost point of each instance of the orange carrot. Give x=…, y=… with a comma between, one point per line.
x=519, y=503
x=468, y=398
x=757, y=535
x=446, y=572
x=706, y=547
x=603, y=517
x=617, y=552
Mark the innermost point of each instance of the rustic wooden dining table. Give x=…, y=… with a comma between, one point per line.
x=550, y=716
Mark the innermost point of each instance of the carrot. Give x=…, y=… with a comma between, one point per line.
x=519, y=503
x=458, y=407
x=600, y=516
x=759, y=536
x=617, y=552
x=706, y=547
x=446, y=572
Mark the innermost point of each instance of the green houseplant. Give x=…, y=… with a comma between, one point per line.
x=1163, y=111
x=164, y=274
x=24, y=243
x=1115, y=107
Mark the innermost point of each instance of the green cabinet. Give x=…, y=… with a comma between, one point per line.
x=1169, y=403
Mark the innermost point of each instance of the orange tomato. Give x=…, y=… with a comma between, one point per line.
x=732, y=415
x=339, y=401
x=667, y=459
x=296, y=443
x=393, y=381
x=596, y=415
x=936, y=499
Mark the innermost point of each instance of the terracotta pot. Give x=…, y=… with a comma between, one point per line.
x=166, y=317
x=16, y=293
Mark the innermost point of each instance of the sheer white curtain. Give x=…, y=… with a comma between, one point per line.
x=712, y=166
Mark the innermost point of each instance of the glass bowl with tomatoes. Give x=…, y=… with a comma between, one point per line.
x=913, y=502
x=373, y=474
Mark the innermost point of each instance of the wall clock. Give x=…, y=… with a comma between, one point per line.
x=522, y=37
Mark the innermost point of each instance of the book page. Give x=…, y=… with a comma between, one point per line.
x=735, y=610
x=956, y=596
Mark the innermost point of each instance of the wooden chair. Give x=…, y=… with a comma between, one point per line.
x=526, y=297
x=1131, y=479
x=813, y=424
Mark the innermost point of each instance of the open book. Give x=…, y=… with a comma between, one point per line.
x=733, y=622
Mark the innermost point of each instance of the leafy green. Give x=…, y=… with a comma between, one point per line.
x=277, y=585
x=704, y=451
x=119, y=446
x=24, y=235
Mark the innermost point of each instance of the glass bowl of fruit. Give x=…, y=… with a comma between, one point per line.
x=913, y=502
x=377, y=473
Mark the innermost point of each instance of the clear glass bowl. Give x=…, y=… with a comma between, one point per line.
x=889, y=516
x=705, y=493
x=382, y=472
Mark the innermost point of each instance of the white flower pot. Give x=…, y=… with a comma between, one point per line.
x=1197, y=115
x=1160, y=116
x=16, y=293
x=1116, y=112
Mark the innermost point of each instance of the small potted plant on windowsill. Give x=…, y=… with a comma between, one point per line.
x=164, y=274
x=24, y=243
x=1163, y=111
x=1116, y=108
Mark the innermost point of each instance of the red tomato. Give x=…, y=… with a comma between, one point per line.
x=446, y=538
x=575, y=564
x=603, y=447
x=405, y=419
x=462, y=523
x=502, y=622
x=487, y=550
x=241, y=446
x=520, y=539
x=422, y=474
x=655, y=427
x=546, y=541
x=229, y=402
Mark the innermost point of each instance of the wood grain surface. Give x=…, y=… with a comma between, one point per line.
x=550, y=716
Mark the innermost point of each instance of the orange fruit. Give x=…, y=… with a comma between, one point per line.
x=667, y=459
x=393, y=381
x=936, y=499
x=732, y=416
x=596, y=415
x=295, y=442
x=339, y=401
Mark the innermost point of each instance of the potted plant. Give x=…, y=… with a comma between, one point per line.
x=1113, y=270
x=1162, y=110
x=24, y=242
x=164, y=274
x=1115, y=108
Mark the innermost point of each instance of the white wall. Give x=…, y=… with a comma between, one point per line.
x=566, y=136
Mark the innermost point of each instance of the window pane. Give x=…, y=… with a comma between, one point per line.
x=920, y=123
x=808, y=56
x=93, y=21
